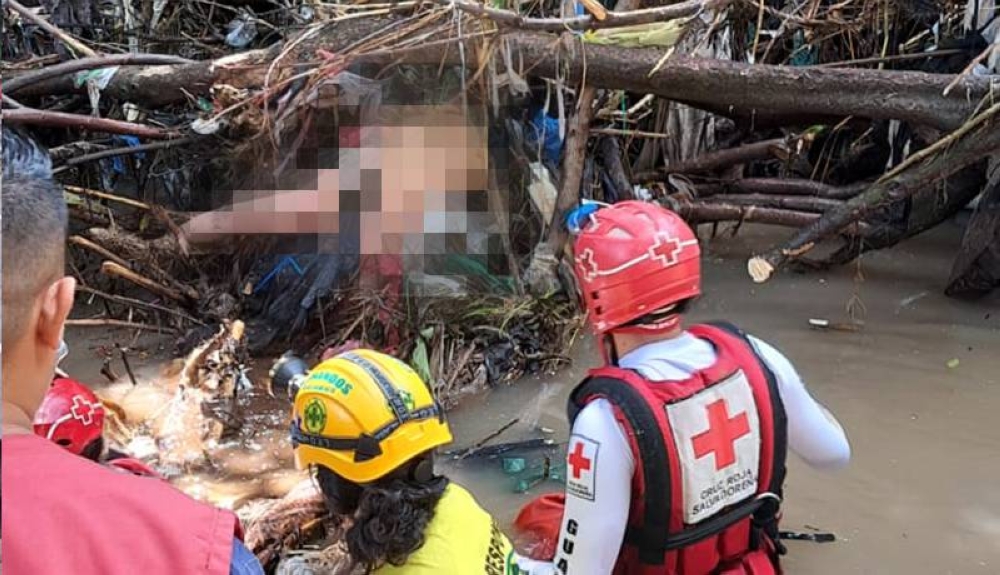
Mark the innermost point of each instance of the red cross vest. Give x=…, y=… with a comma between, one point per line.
x=710, y=454
x=66, y=514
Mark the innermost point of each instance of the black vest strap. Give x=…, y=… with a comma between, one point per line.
x=655, y=467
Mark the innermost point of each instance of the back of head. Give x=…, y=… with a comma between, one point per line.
x=363, y=415
x=636, y=263
x=34, y=229
x=24, y=157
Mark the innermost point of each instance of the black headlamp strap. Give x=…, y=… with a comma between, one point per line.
x=365, y=447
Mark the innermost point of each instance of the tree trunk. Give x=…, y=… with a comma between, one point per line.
x=762, y=93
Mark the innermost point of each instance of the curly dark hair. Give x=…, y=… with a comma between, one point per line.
x=390, y=518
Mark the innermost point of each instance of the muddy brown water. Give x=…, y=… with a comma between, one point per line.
x=917, y=389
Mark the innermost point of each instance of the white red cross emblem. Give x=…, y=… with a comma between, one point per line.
x=666, y=249
x=83, y=410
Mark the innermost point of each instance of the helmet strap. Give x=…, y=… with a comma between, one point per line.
x=608, y=349
x=663, y=325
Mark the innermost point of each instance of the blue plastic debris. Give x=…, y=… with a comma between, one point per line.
x=579, y=216
x=116, y=161
x=283, y=263
x=543, y=126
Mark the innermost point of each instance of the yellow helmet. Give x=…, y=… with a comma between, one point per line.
x=363, y=414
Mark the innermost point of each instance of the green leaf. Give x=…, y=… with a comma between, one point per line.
x=72, y=199
x=427, y=333
x=420, y=362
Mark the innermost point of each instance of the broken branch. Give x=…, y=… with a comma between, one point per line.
x=107, y=322
x=64, y=120
x=783, y=187
x=138, y=303
x=947, y=156
x=115, y=269
x=97, y=249
x=44, y=24
x=719, y=159
x=28, y=78
x=615, y=19
x=122, y=151
x=798, y=203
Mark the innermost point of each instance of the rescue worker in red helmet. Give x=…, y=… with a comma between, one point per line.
x=72, y=416
x=676, y=458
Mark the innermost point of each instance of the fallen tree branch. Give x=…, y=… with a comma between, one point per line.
x=798, y=203
x=35, y=76
x=60, y=154
x=786, y=187
x=719, y=159
x=967, y=145
x=616, y=19
x=122, y=151
x=107, y=322
x=115, y=269
x=138, y=303
x=109, y=197
x=97, y=249
x=44, y=24
x=11, y=102
x=64, y=120
x=697, y=213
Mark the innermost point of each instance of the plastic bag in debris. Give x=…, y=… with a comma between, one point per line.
x=545, y=129
x=355, y=90
x=536, y=529
x=290, y=298
x=242, y=31
x=542, y=191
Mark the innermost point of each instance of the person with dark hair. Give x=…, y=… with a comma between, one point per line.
x=63, y=513
x=366, y=425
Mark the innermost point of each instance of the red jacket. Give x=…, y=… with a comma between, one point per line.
x=705, y=499
x=65, y=514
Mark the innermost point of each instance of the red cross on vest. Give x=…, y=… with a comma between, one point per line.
x=577, y=462
x=722, y=432
x=83, y=410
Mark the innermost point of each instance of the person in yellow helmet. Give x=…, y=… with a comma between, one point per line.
x=367, y=425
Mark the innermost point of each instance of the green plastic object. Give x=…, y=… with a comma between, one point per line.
x=514, y=465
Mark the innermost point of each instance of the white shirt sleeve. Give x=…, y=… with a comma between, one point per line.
x=813, y=432
x=593, y=528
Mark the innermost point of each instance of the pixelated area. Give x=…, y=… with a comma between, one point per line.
x=403, y=185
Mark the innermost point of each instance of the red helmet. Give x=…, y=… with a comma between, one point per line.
x=634, y=258
x=71, y=415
